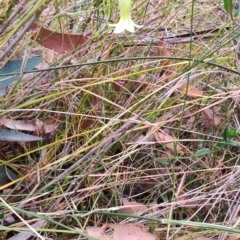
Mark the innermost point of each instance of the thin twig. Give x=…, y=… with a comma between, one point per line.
x=19, y=37
x=12, y=16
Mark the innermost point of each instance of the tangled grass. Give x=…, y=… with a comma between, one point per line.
x=127, y=124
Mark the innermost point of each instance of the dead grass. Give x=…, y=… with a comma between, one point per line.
x=122, y=115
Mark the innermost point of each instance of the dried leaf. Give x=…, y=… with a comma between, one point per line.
x=149, y=137
x=59, y=42
x=86, y=123
x=132, y=207
x=192, y=91
x=162, y=50
x=210, y=120
x=189, y=125
x=235, y=236
x=119, y=232
x=48, y=125
x=168, y=141
x=25, y=125
x=49, y=55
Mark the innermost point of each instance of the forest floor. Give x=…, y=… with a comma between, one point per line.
x=135, y=129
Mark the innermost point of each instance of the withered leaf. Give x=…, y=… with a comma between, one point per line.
x=59, y=42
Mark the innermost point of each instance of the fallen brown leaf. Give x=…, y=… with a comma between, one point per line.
x=192, y=91
x=188, y=203
x=25, y=125
x=59, y=42
x=168, y=141
x=119, y=232
x=132, y=207
x=210, y=120
x=162, y=50
x=48, y=125
x=235, y=236
x=49, y=55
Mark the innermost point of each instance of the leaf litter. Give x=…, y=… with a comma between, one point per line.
x=61, y=43
x=126, y=165
x=118, y=232
x=47, y=125
x=132, y=207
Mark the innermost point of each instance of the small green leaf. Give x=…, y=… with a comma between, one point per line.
x=224, y=135
x=225, y=82
x=229, y=133
x=202, y=152
x=151, y=229
x=13, y=136
x=161, y=161
x=228, y=6
x=232, y=133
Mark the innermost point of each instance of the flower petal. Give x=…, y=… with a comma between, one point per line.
x=120, y=28
x=138, y=26
x=122, y=25
x=125, y=22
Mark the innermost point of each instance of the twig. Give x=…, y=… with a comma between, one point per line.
x=12, y=16
x=19, y=37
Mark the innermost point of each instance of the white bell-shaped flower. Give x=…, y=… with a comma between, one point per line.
x=125, y=22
